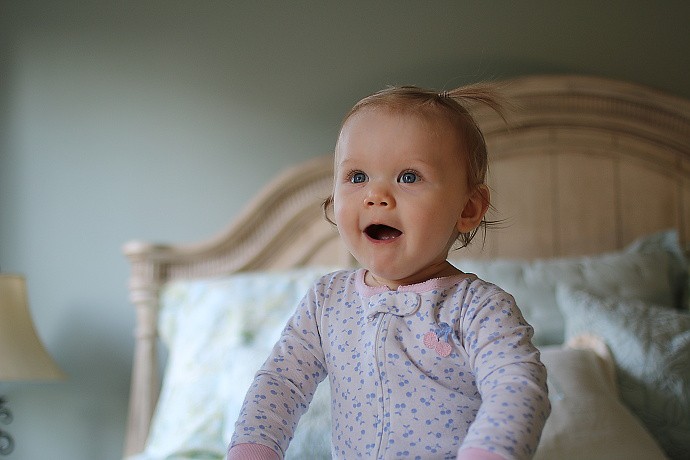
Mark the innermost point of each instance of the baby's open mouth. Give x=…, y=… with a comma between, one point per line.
x=382, y=232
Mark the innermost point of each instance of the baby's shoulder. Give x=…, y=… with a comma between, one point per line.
x=337, y=283
x=479, y=288
x=340, y=277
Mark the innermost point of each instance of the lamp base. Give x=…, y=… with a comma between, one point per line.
x=6, y=441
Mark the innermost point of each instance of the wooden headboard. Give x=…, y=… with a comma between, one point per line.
x=585, y=165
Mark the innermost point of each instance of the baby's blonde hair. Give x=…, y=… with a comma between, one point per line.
x=453, y=106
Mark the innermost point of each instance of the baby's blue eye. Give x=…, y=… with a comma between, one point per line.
x=358, y=177
x=408, y=177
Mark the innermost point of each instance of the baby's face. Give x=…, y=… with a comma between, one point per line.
x=400, y=191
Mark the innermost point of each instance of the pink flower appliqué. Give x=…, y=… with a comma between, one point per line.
x=432, y=339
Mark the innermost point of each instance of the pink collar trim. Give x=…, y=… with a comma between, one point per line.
x=420, y=288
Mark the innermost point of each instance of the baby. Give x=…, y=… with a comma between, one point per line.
x=424, y=361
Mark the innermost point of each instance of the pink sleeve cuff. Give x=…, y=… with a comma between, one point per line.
x=247, y=451
x=473, y=453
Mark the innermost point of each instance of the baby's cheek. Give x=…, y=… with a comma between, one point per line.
x=345, y=214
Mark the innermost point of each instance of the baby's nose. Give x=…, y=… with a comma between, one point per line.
x=377, y=202
x=379, y=196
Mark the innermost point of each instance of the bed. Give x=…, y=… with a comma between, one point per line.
x=590, y=179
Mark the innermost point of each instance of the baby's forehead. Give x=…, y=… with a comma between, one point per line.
x=360, y=122
x=405, y=136
x=365, y=121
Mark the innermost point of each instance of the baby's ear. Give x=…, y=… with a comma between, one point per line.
x=327, y=208
x=474, y=210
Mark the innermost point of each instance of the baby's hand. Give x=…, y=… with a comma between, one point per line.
x=247, y=451
x=473, y=453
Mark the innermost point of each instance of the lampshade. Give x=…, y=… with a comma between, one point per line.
x=22, y=355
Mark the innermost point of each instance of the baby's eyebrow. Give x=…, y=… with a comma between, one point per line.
x=347, y=163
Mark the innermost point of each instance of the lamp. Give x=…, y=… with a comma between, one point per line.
x=22, y=355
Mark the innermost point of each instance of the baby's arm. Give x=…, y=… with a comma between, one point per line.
x=510, y=377
x=282, y=389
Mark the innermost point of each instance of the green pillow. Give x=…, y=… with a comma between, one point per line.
x=651, y=349
x=652, y=269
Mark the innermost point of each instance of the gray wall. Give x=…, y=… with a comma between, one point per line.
x=157, y=121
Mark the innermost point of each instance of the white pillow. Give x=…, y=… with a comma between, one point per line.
x=587, y=419
x=218, y=332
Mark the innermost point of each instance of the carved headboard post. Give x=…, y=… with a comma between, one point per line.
x=144, y=285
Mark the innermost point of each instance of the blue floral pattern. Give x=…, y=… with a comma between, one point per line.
x=393, y=396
